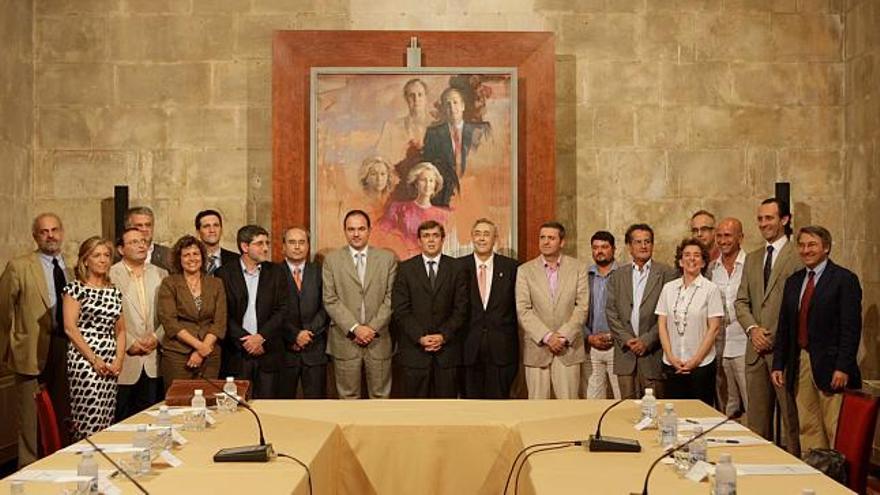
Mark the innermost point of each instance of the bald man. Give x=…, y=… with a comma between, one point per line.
x=727, y=274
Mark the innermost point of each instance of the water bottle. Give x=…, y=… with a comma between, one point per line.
x=88, y=467
x=199, y=411
x=142, y=457
x=649, y=405
x=668, y=426
x=697, y=448
x=725, y=476
x=16, y=488
x=164, y=418
x=230, y=389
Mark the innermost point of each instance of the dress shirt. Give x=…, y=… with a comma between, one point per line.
x=436, y=261
x=598, y=296
x=252, y=281
x=490, y=263
x=639, y=281
x=295, y=266
x=217, y=260
x=150, y=253
x=734, y=336
x=778, y=244
x=688, y=310
x=552, y=272
x=48, y=273
x=354, y=259
x=138, y=281
x=817, y=273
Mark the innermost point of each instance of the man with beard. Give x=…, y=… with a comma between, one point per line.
x=598, y=369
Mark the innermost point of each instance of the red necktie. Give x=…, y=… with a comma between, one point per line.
x=805, y=310
x=456, y=146
x=481, y=281
x=297, y=277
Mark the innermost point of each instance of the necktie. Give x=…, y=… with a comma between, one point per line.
x=805, y=309
x=481, y=281
x=360, y=266
x=768, y=265
x=212, y=264
x=432, y=274
x=60, y=281
x=456, y=147
x=297, y=277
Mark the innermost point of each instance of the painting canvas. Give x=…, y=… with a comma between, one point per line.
x=413, y=145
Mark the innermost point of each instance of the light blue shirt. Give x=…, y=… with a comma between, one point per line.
x=818, y=273
x=48, y=269
x=598, y=296
x=639, y=280
x=252, y=280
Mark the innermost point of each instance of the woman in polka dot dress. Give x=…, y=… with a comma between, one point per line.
x=92, y=310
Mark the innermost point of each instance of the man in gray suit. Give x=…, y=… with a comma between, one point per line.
x=358, y=281
x=633, y=291
x=142, y=218
x=139, y=283
x=757, y=309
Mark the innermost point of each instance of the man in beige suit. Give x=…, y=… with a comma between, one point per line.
x=757, y=309
x=32, y=339
x=552, y=296
x=633, y=291
x=139, y=283
x=358, y=281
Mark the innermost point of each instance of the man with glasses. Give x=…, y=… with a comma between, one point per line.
x=703, y=229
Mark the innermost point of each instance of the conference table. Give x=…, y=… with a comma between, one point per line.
x=457, y=447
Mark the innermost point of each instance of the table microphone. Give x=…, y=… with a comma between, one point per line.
x=598, y=443
x=674, y=450
x=248, y=453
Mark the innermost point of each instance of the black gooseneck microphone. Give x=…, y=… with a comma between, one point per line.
x=248, y=453
x=100, y=451
x=598, y=443
x=676, y=449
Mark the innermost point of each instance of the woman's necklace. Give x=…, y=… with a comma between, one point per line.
x=195, y=288
x=680, y=317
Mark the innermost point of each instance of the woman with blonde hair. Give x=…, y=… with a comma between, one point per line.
x=404, y=217
x=93, y=323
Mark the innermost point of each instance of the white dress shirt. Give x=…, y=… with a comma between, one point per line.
x=734, y=336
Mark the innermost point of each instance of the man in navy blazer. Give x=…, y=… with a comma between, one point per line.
x=491, y=337
x=305, y=338
x=820, y=324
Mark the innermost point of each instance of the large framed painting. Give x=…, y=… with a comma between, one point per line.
x=410, y=145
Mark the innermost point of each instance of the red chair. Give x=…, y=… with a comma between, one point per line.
x=855, y=436
x=47, y=424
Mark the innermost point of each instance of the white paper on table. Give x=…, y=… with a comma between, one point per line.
x=172, y=411
x=170, y=459
x=107, y=487
x=699, y=471
x=738, y=441
x=178, y=438
x=688, y=424
x=107, y=448
x=645, y=423
x=774, y=469
x=132, y=427
x=209, y=418
x=55, y=475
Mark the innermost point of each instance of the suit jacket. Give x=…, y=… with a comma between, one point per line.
x=618, y=310
x=498, y=320
x=757, y=306
x=420, y=310
x=177, y=311
x=26, y=318
x=271, y=309
x=227, y=257
x=834, y=327
x=539, y=313
x=305, y=309
x=438, y=150
x=162, y=257
x=343, y=295
x=137, y=324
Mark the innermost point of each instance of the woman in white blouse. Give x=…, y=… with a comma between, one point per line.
x=689, y=312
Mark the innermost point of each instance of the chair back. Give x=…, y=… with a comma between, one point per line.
x=855, y=435
x=50, y=437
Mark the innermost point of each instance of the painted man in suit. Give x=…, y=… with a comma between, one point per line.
x=820, y=325
x=139, y=283
x=449, y=143
x=143, y=219
x=552, y=297
x=757, y=310
x=633, y=291
x=358, y=280
x=209, y=228
x=491, y=336
x=430, y=307
x=256, y=306
x=305, y=339
x=32, y=336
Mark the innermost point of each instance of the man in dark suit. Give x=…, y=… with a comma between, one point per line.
x=209, y=227
x=305, y=338
x=256, y=305
x=143, y=219
x=448, y=144
x=817, y=338
x=491, y=338
x=429, y=301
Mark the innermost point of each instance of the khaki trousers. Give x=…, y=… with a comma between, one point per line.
x=818, y=411
x=597, y=372
x=563, y=381
x=347, y=373
x=25, y=388
x=762, y=397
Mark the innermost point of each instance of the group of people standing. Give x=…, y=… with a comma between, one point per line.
x=738, y=331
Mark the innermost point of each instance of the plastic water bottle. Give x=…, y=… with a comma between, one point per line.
x=725, y=476
x=142, y=457
x=88, y=467
x=697, y=448
x=199, y=412
x=164, y=418
x=16, y=488
x=649, y=405
x=230, y=389
x=668, y=426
